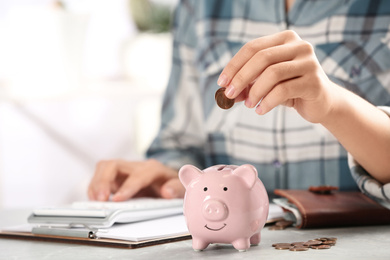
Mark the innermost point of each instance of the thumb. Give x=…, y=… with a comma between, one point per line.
x=172, y=189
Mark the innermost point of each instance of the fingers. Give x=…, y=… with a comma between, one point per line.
x=99, y=187
x=172, y=189
x=247, y=52
x=140, y=176
x=260, y=73
x=274, y=75
x=145, y=178
x=106, y=178
x=257, y=65
x=132, y=179
x=132, y=186
x=284, y=93
x=264, y=63
x=266, y=59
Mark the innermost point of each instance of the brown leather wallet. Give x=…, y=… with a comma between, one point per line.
x=338, y=208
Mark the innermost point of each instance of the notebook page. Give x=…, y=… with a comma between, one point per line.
x=151, y=229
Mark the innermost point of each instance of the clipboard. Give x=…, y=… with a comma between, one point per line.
x=128, y=235
x=128, y=228
x=162, y=230
x=116, y=243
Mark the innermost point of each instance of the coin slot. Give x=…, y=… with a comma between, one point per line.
x=221, y=168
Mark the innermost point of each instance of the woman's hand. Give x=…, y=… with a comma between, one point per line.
x=282, y=69
x=279, y=69
x=127, y=179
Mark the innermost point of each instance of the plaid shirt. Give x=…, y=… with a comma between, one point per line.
x=351, y=40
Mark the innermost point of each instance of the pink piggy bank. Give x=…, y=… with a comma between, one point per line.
x=224, y=204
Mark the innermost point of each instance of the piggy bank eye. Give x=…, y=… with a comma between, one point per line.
x=225, y=188
x=205, y=188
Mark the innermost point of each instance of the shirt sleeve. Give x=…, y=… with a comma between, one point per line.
x=181, y=137
x=367, y=184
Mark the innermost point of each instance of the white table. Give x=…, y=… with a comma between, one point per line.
x=353, y=243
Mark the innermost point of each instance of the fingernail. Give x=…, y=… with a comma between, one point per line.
x=259, y=110
x=118, y=196
x=248, y=103
x=171, y=192
x=229, y=92
x=222, y=80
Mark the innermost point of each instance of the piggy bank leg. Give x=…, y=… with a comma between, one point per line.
x=198, y=244
x=255, y=239
x=241, y=244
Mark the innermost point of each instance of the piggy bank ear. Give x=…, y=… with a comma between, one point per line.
x=248, y=173
x=187, y=173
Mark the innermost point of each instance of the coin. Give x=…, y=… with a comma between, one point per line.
x=221, y=99
x=312, y=243
x=297, y=243
x=318, y=244
x=275, y=228
x=329, y=242
x=299, y=248
x=334, y=239
x=284, y=223
x=281, y=244
x=322, y=239
x=281, y=225
x=321, y=247
x=282, y=247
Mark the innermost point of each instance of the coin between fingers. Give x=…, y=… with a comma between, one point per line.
x=221, y=99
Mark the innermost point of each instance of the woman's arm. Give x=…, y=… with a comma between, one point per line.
x=180, y=138
x=364, y=131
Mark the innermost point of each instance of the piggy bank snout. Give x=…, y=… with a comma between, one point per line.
x=214, y=210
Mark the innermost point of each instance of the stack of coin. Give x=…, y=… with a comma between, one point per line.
x=221, y=99
x=280, y=225
x=318, y=243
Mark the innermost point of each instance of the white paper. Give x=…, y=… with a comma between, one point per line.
x=275, y=213
x=144, y=230
x=20, y=228
x=163, y=227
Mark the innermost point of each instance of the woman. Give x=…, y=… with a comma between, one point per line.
x=310, y=75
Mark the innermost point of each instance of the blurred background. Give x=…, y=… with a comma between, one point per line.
x=80, y=81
